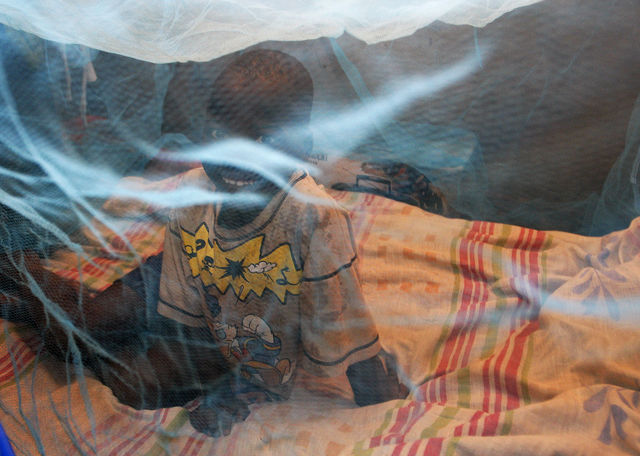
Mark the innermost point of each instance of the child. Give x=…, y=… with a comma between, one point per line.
x=252, y=288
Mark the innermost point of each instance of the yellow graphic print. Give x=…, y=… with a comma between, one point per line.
x=241, y=267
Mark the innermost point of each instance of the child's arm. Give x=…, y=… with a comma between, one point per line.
x=167, y=366
x=338, y=332
x=60, y=307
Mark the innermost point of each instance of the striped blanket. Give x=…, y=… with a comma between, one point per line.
x=516, y=341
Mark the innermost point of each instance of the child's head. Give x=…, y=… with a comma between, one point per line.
x=263, y=95
x=260, y=92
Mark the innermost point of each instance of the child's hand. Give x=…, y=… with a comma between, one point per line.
x=217, y=414
x=376, y=380
x=13, y=264
x=13, y=298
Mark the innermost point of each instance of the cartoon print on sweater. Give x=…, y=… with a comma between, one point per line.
x=242, y=267
x=256, y=348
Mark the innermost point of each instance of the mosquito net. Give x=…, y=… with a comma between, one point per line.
x=128, y=124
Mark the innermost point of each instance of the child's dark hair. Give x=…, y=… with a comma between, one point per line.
x=260, y=91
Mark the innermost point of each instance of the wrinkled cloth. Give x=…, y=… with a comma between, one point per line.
x=516, y=341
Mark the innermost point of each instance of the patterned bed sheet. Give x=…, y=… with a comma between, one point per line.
x=517, y=341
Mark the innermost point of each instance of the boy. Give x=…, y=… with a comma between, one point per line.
x=247, y=290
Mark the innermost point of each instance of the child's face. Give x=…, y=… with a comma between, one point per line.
x=232, y=179
x=249, y=107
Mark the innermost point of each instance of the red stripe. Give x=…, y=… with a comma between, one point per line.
x=402, y=417
x=521, y=253
x=430, y=389
x=198, y=446
x=511, y=370
x=472, y=282
x=134, y=231
x=20, y=365
x=514, y=250
x=457, y=431
x=483, y=300
x=434, y=446
x=19, y=359
x=414, y=448
x=516, y=272
x=534, y=261
x=139, y=441
x=93, y=271
x=443, y=389
x=517, y=319
x=473, y=423
x=474, y=296
x=231, y=446
x=193, y=438
x=491, y=424
x=11, y=352
x=364, y=237
x=139, y=232
x=486, y=382
x=375, y=441
x=407, y=417
x=418, y=412
x=398, y=449
x=467, y=266
x=523, y=257
x=117, y=451
x=496, y=374
x=526, y=267
x=401, y=420
x=459, y=320
x=461, y=316
x=368, y=200
x=106, y=424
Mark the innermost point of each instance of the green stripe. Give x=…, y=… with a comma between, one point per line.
x=162, y=442
x=524, y=376
x=464, y=387
x=359, y=449
x=453, y=445
x=387, y=418
x=508, y=421
x=493, y=322
x=491, y=336
x=524, y=380
x=447, y=416
x=446, y=329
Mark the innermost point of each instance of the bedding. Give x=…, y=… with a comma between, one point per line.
x=515, y=341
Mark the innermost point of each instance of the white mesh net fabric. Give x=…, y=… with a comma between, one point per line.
x=466, y=120
x=200, y=30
